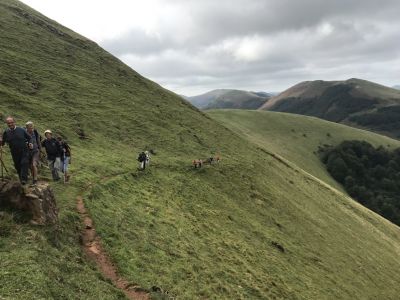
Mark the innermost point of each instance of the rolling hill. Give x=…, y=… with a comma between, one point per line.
x=356, y=102
x=252, y=227
x=296, y=138
x=226, y=98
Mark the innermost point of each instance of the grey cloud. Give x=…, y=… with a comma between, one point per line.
x=290, y=44
x=135, y=41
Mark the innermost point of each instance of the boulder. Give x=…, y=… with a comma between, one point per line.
x=37, y=201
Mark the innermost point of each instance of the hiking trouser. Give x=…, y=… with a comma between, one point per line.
x=143, y=165
x=65, y=164
x=54, y=166
x=21, y=163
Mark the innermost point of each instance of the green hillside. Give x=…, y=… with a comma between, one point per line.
x=356, y=102
x=238, y=100
x=228, y=98
x=296, y=138
x=251, y=227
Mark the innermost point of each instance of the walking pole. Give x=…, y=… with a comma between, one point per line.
x=3, y=166
x=1, y=158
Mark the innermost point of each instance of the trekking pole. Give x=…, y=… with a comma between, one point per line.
x=1, y=158
x=3, y=166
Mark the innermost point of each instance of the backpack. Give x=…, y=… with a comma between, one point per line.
x=142, y=157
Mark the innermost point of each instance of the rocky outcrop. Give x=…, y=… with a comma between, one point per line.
x=38, y=202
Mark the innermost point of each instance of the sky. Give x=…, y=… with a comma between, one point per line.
x=193, y=46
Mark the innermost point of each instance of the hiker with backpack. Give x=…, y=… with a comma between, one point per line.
x=53, y=151
x=65, y=157
x=34, y=153
x=19, y=142
x=142, y=159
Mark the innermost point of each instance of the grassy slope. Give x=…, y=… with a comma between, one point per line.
x=296, y=137
x=205, y=234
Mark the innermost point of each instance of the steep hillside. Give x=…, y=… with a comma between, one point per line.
x=356, y=102
x=225, y=98
x=297, y=138
x=250, y=227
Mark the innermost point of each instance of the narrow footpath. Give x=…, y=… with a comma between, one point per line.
x=91, y=245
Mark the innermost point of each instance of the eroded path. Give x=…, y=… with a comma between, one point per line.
x=92, y=247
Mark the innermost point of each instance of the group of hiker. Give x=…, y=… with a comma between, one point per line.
x=26, y=145
x=198, y=163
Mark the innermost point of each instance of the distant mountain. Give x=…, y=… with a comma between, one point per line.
x=397, y=87
x=355, y=102
x=229, y=98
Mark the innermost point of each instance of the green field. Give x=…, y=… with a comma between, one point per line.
x=296, y=138
x=251, y=227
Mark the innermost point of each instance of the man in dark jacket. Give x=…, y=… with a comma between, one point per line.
x=65, y=157
x=53, y=151
x=20, y=143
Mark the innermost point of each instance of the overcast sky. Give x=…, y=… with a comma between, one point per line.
x=192, y=46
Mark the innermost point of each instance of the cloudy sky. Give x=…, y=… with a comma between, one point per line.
x=192, y=46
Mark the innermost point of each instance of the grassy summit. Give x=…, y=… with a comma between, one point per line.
x=226, y=98
x=251, y=227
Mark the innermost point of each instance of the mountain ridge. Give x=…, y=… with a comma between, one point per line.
x=229, y=98
x=355, y=102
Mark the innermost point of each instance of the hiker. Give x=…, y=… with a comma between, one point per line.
x=34, y=153
x=147, y=158
x=53, y=151
x=198, y=163
x=142, y=161
x=65, y=157
x=19, y=142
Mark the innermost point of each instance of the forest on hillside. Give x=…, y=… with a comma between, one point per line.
x=370, y=175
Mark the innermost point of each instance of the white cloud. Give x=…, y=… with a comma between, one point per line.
x=191, y=46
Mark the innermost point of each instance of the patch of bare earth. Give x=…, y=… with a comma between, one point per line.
x=91, y=244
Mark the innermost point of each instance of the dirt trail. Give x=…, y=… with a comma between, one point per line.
x=91, y=244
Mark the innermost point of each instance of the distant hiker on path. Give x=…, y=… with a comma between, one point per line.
x=53, y=151
x=34, y=153
x=65, y=157
x=20, y=143
x=198, y=163
x=142, y=158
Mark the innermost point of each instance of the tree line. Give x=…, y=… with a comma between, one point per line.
x=369, y=175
